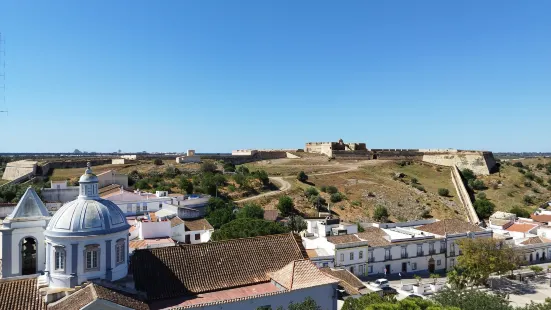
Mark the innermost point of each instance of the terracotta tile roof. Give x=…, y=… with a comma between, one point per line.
x=213, y=266
x=20, y=294
x=198, y=224
x=92, y=292
x=521, y=227
x=349, y=282
x=175, y=221
x=137, y=244
x=301, y=274
x=374, y=236
x=109, y=189
x=312, y=253
x=271, y=215
x=450, y=226
x=535, y=240
x=219, y=297
x=542, y=218
x=343, y=239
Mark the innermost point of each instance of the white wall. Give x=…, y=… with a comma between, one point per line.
x=150, y=230
x=359, y=265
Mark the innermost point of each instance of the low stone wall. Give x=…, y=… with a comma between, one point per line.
x=45, y=169
x=352, y=155
x=463, y=195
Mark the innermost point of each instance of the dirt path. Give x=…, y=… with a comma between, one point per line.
x=284, y=185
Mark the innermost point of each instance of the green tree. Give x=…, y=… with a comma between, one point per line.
x=519, y=212
x=186, y=185
x=245, y=227
x=307, y=304
x=208, y=167
x=220, y=217
x=242, y=170
x=251, y=211
x=317, y=201
x=443, y=192
x=157, y=162
x=332, y=189
x=336, y=197
x=142, y=184
x=302, y=177
x=229, y=167
x=380, y=214
x=262, y=176
x=484, y=208
x=528, y=200
x=468, y=174
x=471, y=299
x=286, y=206
x=477, y=184
x=311, y=191
x=214, y=204
x=296, y=223
x=482, y=257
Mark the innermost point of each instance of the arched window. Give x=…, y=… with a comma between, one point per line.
x=120, y=251
x=59, y=258
x=91, y=257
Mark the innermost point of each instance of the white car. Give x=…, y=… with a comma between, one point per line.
x=380, y=283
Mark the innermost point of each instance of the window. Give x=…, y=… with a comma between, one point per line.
x=352, y=269
x=129, y=208
x=120, y=252
x=369, y=269
x=160, y=205
x=325, y=264
x=438, y=262
x=387, y=254
x=361, y=254
x=145, y=207
x=342, y=257
x=137, y=208
x=404, y=253
x=370, y=259
x=351, y=255
x=452, y=262
x=91, y=257
x=197, y=237
x=59, y=258
x=419, y=250
x=362, y=269
x=413, y=266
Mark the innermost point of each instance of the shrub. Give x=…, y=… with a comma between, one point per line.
x=251, y=211
x=323, y=189
x=529, y=175
x=285, y=206
x=229, y=167
x=242, y=170
x=336, y=197
x=302, y=177
x=539, y=166
x=414, y=181
x=157, y=162
x=477, y=184
x=511, y=194
x=484, y=208
x=380, y=214
x=310, y=191
x=518, y=164
x=528, y=184
x=536, y=190
x=521, y=171
x=468, y=174
x=539, y=181
x=419, y=187
x=425, y=214
x=481, y=195
x=519, y=212
x=208, y=167
x=356, y=203
x=332, y=190
x=528, y=200
x=536, y=269
x=443, y=192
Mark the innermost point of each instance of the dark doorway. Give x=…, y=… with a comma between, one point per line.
x=28, y=256
x=537, y=256
x=387, y=269
x=404, y=267
x=188, y=239
x=531, y=257
x=543, y=256
x=431, y=265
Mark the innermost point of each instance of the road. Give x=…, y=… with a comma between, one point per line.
x=284, y=185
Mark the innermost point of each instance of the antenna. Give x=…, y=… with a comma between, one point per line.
x=3, y=75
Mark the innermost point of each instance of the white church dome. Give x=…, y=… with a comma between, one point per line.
x=88, y=214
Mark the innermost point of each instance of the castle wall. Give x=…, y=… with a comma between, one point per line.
x=243, y=159
x=320, y=148
x=352, y=155
x=481, y=163
x=397, y=154
x=464, y=196
x=17, y=169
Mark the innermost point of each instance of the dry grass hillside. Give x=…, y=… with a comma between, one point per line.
x=527, y=187
x=381, y=183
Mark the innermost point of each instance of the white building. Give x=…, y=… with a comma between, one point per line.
x=137, y=202
x=86, y=239
x=189, y=158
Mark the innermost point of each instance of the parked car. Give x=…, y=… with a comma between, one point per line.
x=387, y=290
x=380, y=283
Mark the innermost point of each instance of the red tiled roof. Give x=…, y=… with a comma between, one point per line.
x=199, y=224
x=92, y=292
x=213, y=266
x=175, y=221
x=535, y=240
x=343, y=239
x=145, y=243
x=521, y=227
x=218, y=297
x=349, y=282
x=450, y=226
x=542, y=218
x=20, y=294
x=374, y=236
x=301, y=274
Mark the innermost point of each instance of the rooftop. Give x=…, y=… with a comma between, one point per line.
x=213, y=266
x=301, y=274
x=374, y=236
x=521, y=227
x=542, y=218
x=349, y=282
x=197, y=224
x=535, y=240
x=175, y=221
x=92, y=292
x=137, y=244
x=450, y=226
x=342, y=239
x=125, y=195
x=20, y=293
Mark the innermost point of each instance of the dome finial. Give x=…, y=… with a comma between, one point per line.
x=88, y=168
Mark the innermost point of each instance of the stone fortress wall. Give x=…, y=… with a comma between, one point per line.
x=480, y=162
x=19, y=169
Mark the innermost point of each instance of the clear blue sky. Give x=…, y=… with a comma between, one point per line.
x=221, y=75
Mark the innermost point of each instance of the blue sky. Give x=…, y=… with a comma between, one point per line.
x=221, y=75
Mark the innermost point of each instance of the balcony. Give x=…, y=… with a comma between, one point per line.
x=370, y=259
x=404, y=255
x=420, y=253
x=432, y=252
x=388, y=257
x=452, y=253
